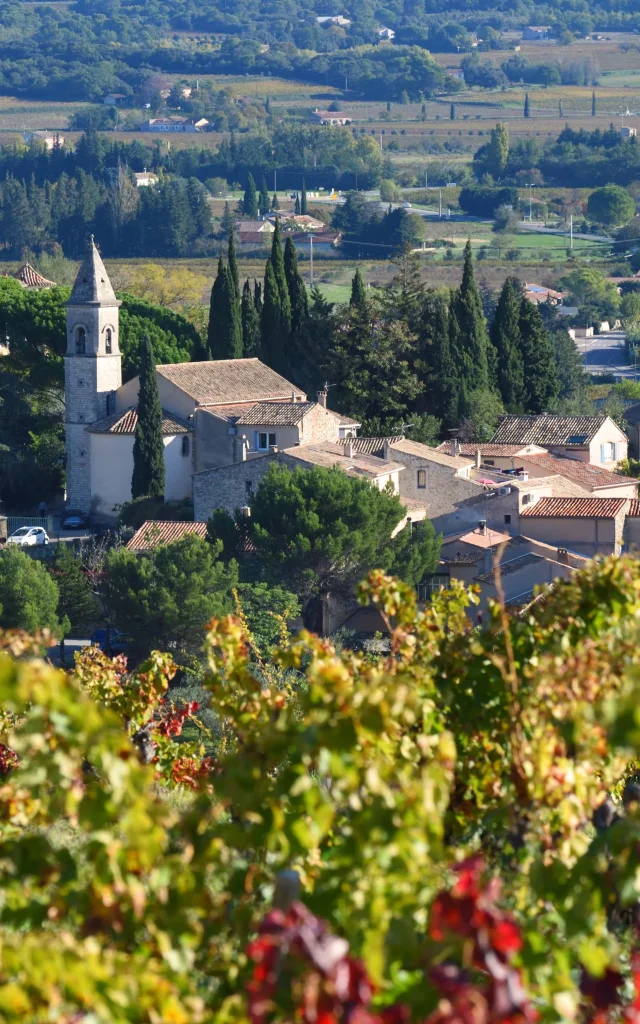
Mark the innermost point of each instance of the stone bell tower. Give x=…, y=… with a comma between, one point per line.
x=92, y=369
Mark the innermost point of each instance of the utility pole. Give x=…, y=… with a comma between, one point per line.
x=381, y=149
x=571, y=231
x=530, y=184
x=440, y=204
x=275, y=182
x=426, y=179
x=311, y=260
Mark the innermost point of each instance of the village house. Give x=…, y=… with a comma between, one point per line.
x=337, y=19
x=174, y=124
x=386, y=33
x=31, y=279
x=329, y=117
x=145, y=178
x=215, y=413
x=154, y=532
x=535, y=33
x=538, y=294
x=456, y=73
x=47, y=139
x=588, y=526
x=114, y=99
x=593, y=439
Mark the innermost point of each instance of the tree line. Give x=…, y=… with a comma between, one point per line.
x=399, y=354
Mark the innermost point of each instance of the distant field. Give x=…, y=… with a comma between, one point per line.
x=17, y=115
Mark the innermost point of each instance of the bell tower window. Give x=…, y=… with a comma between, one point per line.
x=81, y=341
x=108, y=344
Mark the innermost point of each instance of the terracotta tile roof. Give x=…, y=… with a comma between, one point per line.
x=591, y=477
x=254, y=237
x=329, y=455
x=633, y=510
x=153, y=533
x=510, y=567
x=487, y=449
x=30, y=278
x=368, y=445
x=490, y=539
x=263, y=227
x=545, y=430
x=225, y=381
x=126, y=423
x=275, y=414
x=575, y=508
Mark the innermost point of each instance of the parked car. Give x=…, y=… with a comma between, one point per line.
x=119, y=643
x=74, y=520
x=407, y=206
x=29, y=537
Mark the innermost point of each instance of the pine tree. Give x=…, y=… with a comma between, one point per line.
x=148, y=478
x=272, y=327
x=541, y=383
x=506, y=339
x=275, y=205
x=452, y=112
x=296, y=208
x=227, y=220
x=527, y=111
x=250, y=323
x=468, y=331
x=232, y=263
x=225, y=333
x=263, y=198
x=277, y=262
x=593, y=103
x=358, y=291
x=297, y=289
x=250, y=201
x=303, y=199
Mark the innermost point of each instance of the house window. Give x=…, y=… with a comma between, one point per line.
x=81, y=341
x=265, y=441
x=81, y=417
x=607, y=452
x=489, y=462
x=507, y=519
x=80, y=382
x=422, y=479
x=186, y=445
x=108, y=343
x=248, y=488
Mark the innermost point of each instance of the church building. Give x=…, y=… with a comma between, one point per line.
x=215, y=413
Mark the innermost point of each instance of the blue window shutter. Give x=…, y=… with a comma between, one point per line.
x=256, y=440
x=601, y=453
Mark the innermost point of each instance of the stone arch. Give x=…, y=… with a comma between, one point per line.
x=80, y=339
x=109, y=337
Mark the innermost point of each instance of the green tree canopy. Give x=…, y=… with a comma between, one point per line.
x=166, y=597
x=250, y=201
x=29, y=595
x=506, y=340
x=611, y=205
x=148, y=478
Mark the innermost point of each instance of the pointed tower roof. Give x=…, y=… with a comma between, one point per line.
x=92, y=284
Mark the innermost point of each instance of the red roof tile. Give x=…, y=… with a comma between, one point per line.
x=126, y=423
x=154, y=533
x=575, y=508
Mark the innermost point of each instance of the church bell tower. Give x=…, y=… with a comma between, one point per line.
x=92, y=369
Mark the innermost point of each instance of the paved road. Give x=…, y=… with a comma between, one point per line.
x=605, y=353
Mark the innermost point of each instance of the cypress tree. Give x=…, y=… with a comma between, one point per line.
x=263, y=198
x=507, y=342
x=303, y=199
x=442, y=382
x=277, y=262
x=275, y=205
x=250, y=201
x=541, y=383
x=468, y=329
x=215, y=309
x=257, y=296
x=296, y=208
x=296, y=287
x=225, y=335
x=358, y=291
x=250, y=323
x=233, y=265
x=560, y=111
x=593, y=103
x=267, y=105
x=148, y=478
x=527, y=111
x=227, y=220
x=452, y=112
x=272, y=327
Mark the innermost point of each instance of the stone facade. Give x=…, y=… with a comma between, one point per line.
x=229, y=487
x=92, y=370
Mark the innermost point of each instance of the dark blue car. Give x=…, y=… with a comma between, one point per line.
x=119, y=643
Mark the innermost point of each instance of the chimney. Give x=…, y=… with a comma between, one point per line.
x=453, y=442
x=478, y=458
x=348, y=449
x=245, y=512
x=563, y=556
x=322, y=398
x=523, y=475
x=482, y=527
x=273, y=449
x=386, y=451
x=239, y=448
